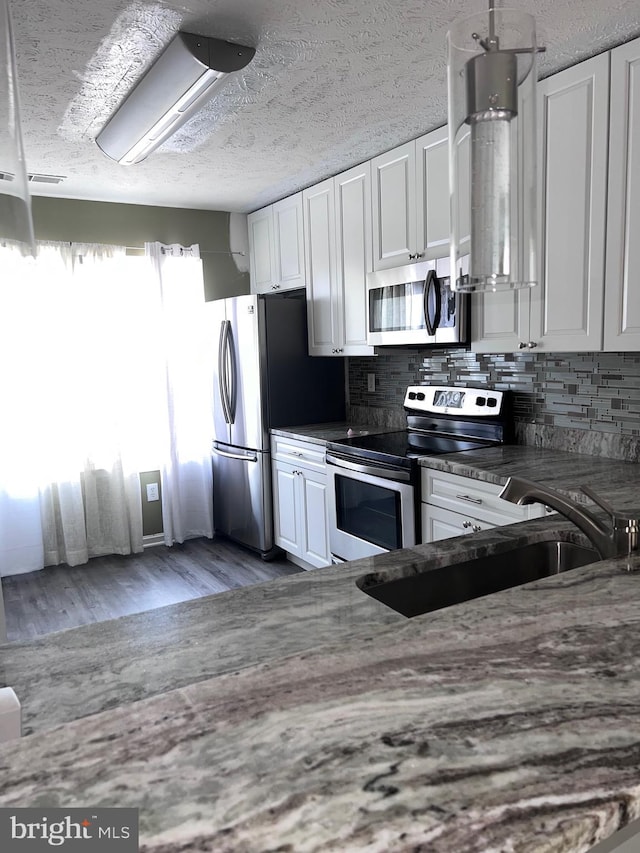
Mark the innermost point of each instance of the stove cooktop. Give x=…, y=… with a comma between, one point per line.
x=402, y=447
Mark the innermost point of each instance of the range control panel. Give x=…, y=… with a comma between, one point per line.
x=450, y=400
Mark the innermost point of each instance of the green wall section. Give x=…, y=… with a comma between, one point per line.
x=151, y=510
x=134, y=224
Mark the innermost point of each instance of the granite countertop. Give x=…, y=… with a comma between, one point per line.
x=322, y=433
x=616, y=481
x=303, y=715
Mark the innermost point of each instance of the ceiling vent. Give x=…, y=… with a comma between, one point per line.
x=46, y=179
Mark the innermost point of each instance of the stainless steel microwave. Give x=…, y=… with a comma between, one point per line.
x=411, y=305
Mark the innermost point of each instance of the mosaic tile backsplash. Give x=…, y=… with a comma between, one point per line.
x=585, y=402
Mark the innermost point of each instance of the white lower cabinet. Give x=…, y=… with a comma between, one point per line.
x=300, y=515
x=440, y=523
x=453, y=505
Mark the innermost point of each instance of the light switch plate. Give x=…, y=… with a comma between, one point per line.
x=153, y=493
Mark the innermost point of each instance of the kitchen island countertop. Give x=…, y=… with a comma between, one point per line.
x=301, y=714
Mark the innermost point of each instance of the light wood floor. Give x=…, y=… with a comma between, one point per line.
x=61, y=597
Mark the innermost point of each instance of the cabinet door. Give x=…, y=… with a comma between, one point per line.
x=440, y=523
x=261, y=255
x=499, y=321
x=286, y=520
x=288, y=243
x=433, y=227
x=567, y=304
x=622, y=306
x=314, y=518
x=394, y=207
x=320, y=265
x=354, y=256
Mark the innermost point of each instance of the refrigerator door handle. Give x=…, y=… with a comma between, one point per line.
x=232, y=392
x=244, y=457
x=222, y=370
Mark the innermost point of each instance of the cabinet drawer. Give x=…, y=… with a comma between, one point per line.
x=299, y=452
x=473, y=498
x=440, y=524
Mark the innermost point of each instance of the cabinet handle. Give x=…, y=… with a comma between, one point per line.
x=522, y=345
x=416, y=256
x=476, y=528
x=296, y=453
x=337, y=350
x=469, y=499
x=466, y=524
x=275, y=287
x=532, y=345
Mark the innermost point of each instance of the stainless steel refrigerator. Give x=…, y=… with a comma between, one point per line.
x=262, y=378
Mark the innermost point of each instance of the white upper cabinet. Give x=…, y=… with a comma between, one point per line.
x=500, y=321
x=320, y=260
x=567, y=304
x=337, y=232
x=563, y=313
x=276, y=246
x=432, y=198
x=261, y=251
x=354, y=256
x=394, y=207
x=411, y=219
x=622, y=303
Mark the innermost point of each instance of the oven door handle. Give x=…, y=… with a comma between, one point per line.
x=378, y=470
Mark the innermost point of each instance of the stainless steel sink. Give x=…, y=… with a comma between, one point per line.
x=459, y=582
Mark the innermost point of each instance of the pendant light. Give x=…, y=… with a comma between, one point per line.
x=16, y=224
x=492, y=150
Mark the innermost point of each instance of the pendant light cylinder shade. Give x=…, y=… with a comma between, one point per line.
x=16, y=225
x=492, y=148
x=181, y=80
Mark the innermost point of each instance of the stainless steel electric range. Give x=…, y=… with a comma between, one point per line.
x=374, y=480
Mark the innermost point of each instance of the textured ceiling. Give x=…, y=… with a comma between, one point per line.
x=333, y=83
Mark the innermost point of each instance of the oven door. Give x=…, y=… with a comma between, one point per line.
x=371, y=508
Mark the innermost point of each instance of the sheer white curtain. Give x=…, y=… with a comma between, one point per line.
x=87, y=387
x=187, y=486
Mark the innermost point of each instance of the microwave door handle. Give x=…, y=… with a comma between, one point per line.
x=432, y=285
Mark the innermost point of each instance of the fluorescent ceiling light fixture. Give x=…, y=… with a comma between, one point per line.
x=492, y=150
x=176, y=86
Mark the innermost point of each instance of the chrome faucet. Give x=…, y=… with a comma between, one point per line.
x=617, y=539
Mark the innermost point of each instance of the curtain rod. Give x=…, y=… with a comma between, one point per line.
x=202, y=251
x=3, y=244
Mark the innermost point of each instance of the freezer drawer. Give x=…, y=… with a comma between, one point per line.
x=242, y=503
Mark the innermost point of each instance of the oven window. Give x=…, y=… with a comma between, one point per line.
x=369, y=512
x=397, y=307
